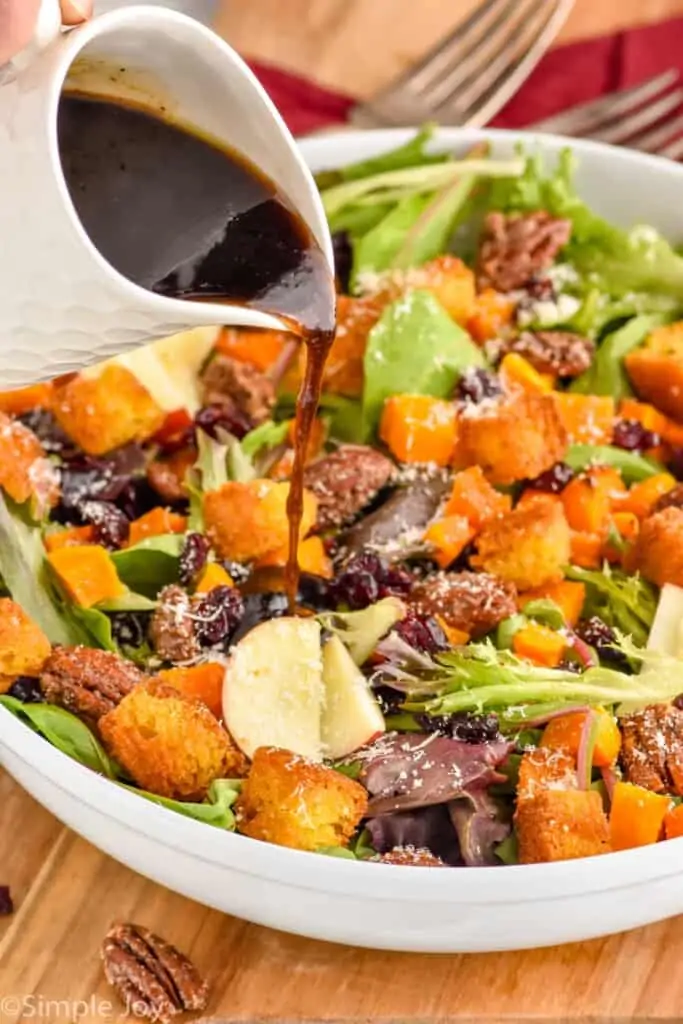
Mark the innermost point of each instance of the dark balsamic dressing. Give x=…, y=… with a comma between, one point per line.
x=182, y=216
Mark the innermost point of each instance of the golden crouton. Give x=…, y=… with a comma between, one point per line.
x=25, y=472
x=246, y=521
x=561, y=824
x=170, y=744
x=514, y=439
x=24, y=648
x=290, y=801
x=528, y=547
x=656, y=371
x=541, y=769
x=658, y=550
x=105, y=412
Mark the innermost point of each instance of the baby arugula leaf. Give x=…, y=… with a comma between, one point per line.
x=414, y=348
x=65, y=732
x=606, y=374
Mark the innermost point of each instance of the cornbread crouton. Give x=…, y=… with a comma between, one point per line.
x=656, y=371
x=528, y=547
x=291, y=801
x=545, y=768
x=105, y=412
x=170, y=744
x=513, y=439
x=25, y=473
x=658, y=551
x=245, y=521
x=561, y=824
x=24, y=647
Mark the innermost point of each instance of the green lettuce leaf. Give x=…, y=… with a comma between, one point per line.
x=361, y=631
x=65, y=732
x=216, y=810
x=414, y=348
x=632, y=467
x=266, y=435
x=606, y=374
x=151, y=564
x=625, y=602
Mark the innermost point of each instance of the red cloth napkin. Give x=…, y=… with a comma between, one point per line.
x=567, y=75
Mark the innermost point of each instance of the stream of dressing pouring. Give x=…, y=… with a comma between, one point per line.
x=62, y=306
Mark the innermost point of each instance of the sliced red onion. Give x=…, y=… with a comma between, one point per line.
x=570, y=709
x=610, y=779
x=583, y=652
x=584, y=755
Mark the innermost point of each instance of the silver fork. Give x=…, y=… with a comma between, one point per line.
x=474, y=71
x=647, y=117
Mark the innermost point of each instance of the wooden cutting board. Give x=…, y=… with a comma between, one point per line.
x=67, y=895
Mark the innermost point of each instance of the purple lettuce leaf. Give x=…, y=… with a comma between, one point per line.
x=428, y=828
x=481, y=822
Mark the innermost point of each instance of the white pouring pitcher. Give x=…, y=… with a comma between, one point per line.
x=62, y=305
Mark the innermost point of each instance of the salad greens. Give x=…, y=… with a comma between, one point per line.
x=626, y=602
x=633, y=467
x=150, y=564
x=606, y=374
x=361, y=631
x=215, y=810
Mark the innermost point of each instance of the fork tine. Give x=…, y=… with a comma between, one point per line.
x=623, y=130
x=487, y=92
x=655, y=140
x=584, y=115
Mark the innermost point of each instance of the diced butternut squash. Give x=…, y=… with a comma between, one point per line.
x=673, y=823
x=569, y=596
x=258, y=348
x=156, y=523
x=637, y=816
x=417, y=428
x=21, y=400
x=539, y=644
x=213, y=575
x=448, y=537
x=76, y=535
x=246, y=521
x=644, y=413
x=311, y=556
x=473, y=497
x=24, y=648
x=564, y=733
x=517, y=372
x=492, y=312
x=104, y=412
x=87, y=574
x=588, y=419
x=530, y=496
x=586, y=549
x=588, y=499
x=643, y=495
x=455, y=637
x=203, y=682
x=656, y=371
x=450, y=281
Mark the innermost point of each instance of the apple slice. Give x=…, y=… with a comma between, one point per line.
x=351, y=716
x=273, y=690
x=666, y=632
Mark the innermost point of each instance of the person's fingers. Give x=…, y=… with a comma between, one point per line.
x=17, y=24
x=76, y=11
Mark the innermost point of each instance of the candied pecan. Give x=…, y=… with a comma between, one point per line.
x=152, y=977
x=346, y=481
x=171, y=631
x=411, y=856
x=652, y=748
x=474, y=602
x=516, y=247
x=672, y=499
x=227, y=381
x=87, y=682
x=167, y=475
x=560, y=352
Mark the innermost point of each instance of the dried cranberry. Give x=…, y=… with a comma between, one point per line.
x=675, y=463
x=422, y=633
x=598, y=635
x=130, y=629
x=462, y=725
x=476, y=384
x=48, y=431
x=571, y=665
x=139, y=497
x=217, y=615
x=553, y=480
x=343, y=258
x=229, y=418
x=192, y=558
x=26, y=689
x=260, y=608
x=6, y=904
x=389, y=700
x=111, y=525
x=86, y=477
x=632, y=436
x=313, y=591
x=365, y=579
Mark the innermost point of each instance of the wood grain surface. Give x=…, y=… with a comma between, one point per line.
x=67, y=893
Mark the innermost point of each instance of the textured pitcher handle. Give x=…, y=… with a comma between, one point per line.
x=48, y=28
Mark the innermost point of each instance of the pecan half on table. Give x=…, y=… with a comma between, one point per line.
x=152, y=977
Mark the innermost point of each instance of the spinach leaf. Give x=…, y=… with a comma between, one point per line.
x=129, y=602
x=631, y=466
x=414, y=348
x=65, y=732
x=151, y=564
x=25, y=571
x=98, y=626
x=606, y=374
x=215, y=810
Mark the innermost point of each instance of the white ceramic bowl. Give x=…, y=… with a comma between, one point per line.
x=382, y=906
